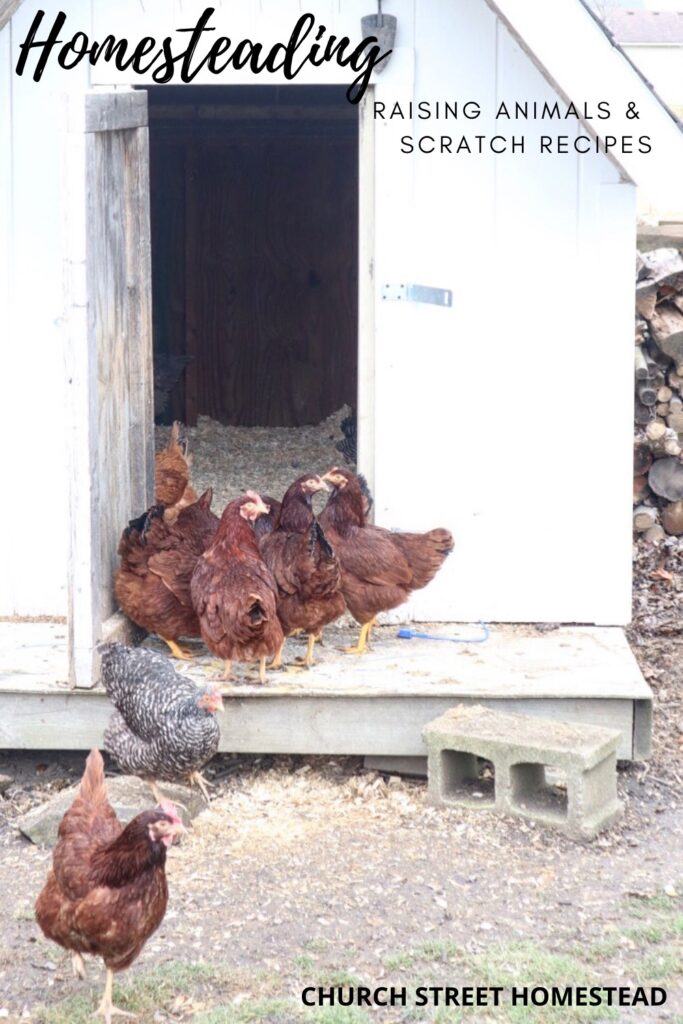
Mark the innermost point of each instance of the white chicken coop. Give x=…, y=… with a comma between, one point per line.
x=489, y=296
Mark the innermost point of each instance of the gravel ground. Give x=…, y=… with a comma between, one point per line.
x=316, y=871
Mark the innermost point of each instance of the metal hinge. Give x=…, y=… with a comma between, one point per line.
x=417, y=293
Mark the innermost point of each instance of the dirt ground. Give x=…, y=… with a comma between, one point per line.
x=317, y=872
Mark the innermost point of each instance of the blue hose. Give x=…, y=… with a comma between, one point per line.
x=413, y=634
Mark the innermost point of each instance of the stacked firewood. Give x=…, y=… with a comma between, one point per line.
x=658, y=450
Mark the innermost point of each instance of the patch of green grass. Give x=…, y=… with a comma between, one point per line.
x=337, y=1015
x=304, y=962
x=142, y=994
x=24, y=914
x=331, y=978
x=644, y=906
x=400, y=961
x=603, y=949
x=647, y=934
x=252, y=1011
x=433, y=950
x=525, y=964
x=317, y=945
x=660, y=964
x=439, y=949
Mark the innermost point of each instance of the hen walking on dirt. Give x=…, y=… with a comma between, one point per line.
x=106, y=892
x=164, y=726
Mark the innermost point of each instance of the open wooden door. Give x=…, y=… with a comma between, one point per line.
x=109, y=353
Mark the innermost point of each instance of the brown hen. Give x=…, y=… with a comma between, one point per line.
x=304, y=565
x=172, y=487
x=106, y=892
x=158, y=557
x=380, y=568
x=234, y=592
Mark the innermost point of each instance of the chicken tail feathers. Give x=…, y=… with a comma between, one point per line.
x=93, y=786
x=256, y=611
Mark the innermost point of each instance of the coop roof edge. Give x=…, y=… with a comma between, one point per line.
x=581, y=59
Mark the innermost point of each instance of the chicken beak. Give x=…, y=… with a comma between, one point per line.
x=261, y=507
x=321, y=485
x=178, y=829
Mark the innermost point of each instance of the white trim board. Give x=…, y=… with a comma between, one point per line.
x=576, y=55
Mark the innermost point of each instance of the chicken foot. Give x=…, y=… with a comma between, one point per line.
x=362, y=645
x=308, y=658
x=159, y=796
x=106, y=1008
x=227, y=675
x=177, y=651
x=78, y=966
x=197, y=779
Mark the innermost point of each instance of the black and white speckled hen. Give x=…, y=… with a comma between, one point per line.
x=164, y=726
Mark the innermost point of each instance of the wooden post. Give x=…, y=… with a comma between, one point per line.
x=109, y=353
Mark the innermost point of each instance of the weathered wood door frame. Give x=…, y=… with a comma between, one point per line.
x=108, y=351
x=125, y=111
x=365, y=410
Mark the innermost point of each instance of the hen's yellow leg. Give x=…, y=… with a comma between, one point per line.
x=262, y=668
x=363, y=638
x=158, y=795
x=106, y=1008
x=276, y=663
x=176, y=651
x=77, y=966
x=307, y=659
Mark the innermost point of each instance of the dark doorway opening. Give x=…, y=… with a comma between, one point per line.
x=254, y=208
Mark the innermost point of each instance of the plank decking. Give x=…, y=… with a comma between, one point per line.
x=373, y=705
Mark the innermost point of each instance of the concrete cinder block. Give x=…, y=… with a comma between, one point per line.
x=559, y=774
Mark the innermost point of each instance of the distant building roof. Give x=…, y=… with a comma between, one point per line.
x=657, y=27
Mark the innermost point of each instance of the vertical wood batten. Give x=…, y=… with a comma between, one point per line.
x=6, y=287
x=109, y=352
x=81, y=412
x=366, y=289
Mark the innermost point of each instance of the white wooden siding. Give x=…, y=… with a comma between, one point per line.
x=486, y=413
x=33, y=378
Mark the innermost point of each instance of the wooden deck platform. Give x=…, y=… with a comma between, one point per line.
x=370, y=705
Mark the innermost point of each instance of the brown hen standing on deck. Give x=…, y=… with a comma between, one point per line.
x=106, y=892
x=152, y=583
x=234, y=593
x=304, y=565
x=380, y=568
x=172, y=487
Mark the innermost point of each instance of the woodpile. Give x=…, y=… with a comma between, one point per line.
x=658, y=372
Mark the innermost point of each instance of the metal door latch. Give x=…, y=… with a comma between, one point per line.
x=417, y=293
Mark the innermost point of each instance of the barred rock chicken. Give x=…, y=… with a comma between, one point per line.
x=234, y=592
x=164, y=726
x=304, y=565
x=152, y=583
x=172, y=487
x=380, y=568
x=106, y=892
